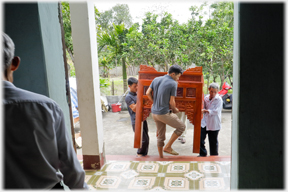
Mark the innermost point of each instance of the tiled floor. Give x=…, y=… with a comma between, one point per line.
x=171, y=174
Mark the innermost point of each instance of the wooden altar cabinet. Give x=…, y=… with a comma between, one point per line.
x=189, y=100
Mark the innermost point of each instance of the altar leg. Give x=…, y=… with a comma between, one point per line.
x=139, y=117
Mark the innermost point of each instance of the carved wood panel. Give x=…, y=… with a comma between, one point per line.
x=146, y=112
x=179, y=92
x=190, y=92
x=145, y=89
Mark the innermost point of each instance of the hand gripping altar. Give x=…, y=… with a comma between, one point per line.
x=189, y=99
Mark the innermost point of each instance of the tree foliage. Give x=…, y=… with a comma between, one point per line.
x=65, y=8
x=67, y=29
x=119, y=14
x=163, y=41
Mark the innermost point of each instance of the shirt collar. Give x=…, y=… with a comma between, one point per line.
x=7, y=83
x=168, y=76
x=216, y=96
x=132, y=93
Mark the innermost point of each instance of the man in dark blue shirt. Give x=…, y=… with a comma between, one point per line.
x=131, y=99
x=164, y=90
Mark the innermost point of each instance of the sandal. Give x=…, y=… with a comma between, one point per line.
x=172, y=152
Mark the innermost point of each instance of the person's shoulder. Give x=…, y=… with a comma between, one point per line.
x=217, y=97
x=158, y=78
x=128, y=94
x=128, y=97
x=206, y=98
x=155, y=81
x=169, y=79
x=174, y=82
x=18, y=95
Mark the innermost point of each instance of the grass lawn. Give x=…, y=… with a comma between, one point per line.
x=118, y=86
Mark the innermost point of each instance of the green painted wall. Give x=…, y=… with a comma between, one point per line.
x=21, y=23
x=35, y=30
x=53, y=55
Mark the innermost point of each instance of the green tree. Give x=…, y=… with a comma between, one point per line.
x=214, y=40
x=222, y=23
x=121, y=14
x=67, y=29
x=116, y=43
x=104, y=20
x=118, y=14
x=162, y=40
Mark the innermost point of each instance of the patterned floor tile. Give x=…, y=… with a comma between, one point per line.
x=129, y=174
x=164, y=162
x=148, y=167
x=213, y=183
x=157, y=189
x=90, y=172
x=209, y=167
x=87, y=178
x=91, y=187
x=194, y=175
x=118, y=167
x=178, y=168
x=176, y=183
x=160, y=176
x=142, y=183
x=98, y=173
x=108, y=182
x=223, y=162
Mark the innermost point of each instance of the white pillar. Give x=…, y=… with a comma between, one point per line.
x=88, y=86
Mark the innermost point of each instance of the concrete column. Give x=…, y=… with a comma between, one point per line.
x=88, y=86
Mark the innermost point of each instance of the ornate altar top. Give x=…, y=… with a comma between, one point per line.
x=191, y=74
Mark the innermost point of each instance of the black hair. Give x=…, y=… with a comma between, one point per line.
x=132, y=80
x=175, y=69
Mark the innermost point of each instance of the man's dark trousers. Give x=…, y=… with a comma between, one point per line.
x=213, y=142
x=145, y=139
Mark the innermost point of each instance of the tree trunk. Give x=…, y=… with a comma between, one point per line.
x=165, y=66
x=222, y=77
x=208, y=79
x=116, y=66
x=71, y=55
x=112, y=87
x=229, y=77
x=214, y=78
x=124, y=75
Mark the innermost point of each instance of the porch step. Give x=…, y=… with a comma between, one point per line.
x=166, y=158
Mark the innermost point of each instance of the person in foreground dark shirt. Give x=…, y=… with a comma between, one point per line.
x=38, y=152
